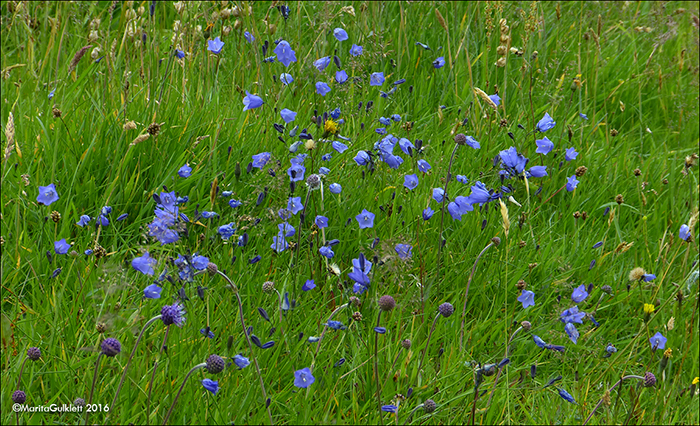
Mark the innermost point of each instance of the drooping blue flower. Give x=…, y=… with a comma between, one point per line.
x=61, y=246
x=496, y=99
x=324, y=171
x=404, y=251
x=322, y=63
x=241, y=361
x=389, y=408
x=296, y=172
x=582, y=115
x=341, y=76
x=544, y=146
x=185, y=171
x=571, y=183
x=259, y=160
x=512, y=160
x=658, y=341
x=570, y=154
x=339, y=146
x=406, y=146
x=462, y=179
x=251, y=101
x=287, y=79
x=428, y=213
x=284, y=53
x=410, y=181
x=580, y=294
x=303, y=378
x=326, y=252
x=376, y=79
x=321, y=222
x=308, y=285
x=211, y=385
x=234, y=203
x=340, y=34
x=362, y=158
x=527, y=298
x=279, y=244
x=206, y=332
x=438, y=194
x=51, y=93
x=84, y=219
x=226, y=231
x=384, y=121
x=546, y=123
x=200, y=262
x=248, y=36
x=179, y=54
x=144, y=264
x=539, y=342
x=570, y=329
x=380, y=330
x=335, y=114
x=356, y=50
x=538, y=171
x=215, y=46
x=335, y=325
x=47, y=195
x=473, y=143
x=365, y=219
x=480, y=194
x=335, y=188
x=648, y=277
x=684, y=233
x=439, y=62
x=295, y=205
x=152, y=291
x=423, y=166
x=288, y=115
x=566, y=395
x=322, y=88
x=572, y=315
x=106, y=210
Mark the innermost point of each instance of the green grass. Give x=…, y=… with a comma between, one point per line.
x=637, y=64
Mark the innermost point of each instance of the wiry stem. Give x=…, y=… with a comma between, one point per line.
x=427, y=343
x=418, y=407
x=323, y=333
x=376, y=368
x=133, y=351
x=19, y=379
x=442, y=216
x=610, y=390
x=153, y=376
x=500, y=370
x=94, y=381
x=247, y=337
x=170, y=411
x=466, y=293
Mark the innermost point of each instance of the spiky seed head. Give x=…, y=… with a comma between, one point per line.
x=101, y=327
x=386, y=303
x=613, y=132
x=57, y=113
x=429, y=406
x=637, y=172
x=215, y=364
x=313, y=182
x=357, y=316
x=577, y=214
x=111, y=347
x=406, y=344
x=607, y=289
x=268, y=287
x=649, y=379
x=19, y=397
x=34, y=353
x=79, y=402
x=212, y=269
x=461, y=139
x=619, y=199
x=55, y=216
x=154, y=129
x=581, y=170
x=446, y=309
x=637, y=274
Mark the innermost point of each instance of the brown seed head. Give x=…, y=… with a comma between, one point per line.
x=357, y=316
x=581, y=170
x=522, y=244
x=521, y=285
x=99, y=252
x=56, y=112
x=584, y=215
x=154, y=129
x=613, y=132
x=101, y=327
x=577, y=214
x=55, y=216
x=637, y=172
x=619, y=199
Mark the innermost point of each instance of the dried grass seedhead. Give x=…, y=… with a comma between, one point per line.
x=10, y=136
x=77, y=57
x=484, y=97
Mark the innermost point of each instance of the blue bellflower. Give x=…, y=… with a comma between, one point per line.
x=365, y=219
x=322, y=63
x=303, y=378
x=287, y=79
x=252, y=101
x=288, y=115
x=185, y=171
x=144, y=264
x=340, y=34
x=335, y=188
x=322, y=88
x=356, y=50
x=284, y=53
x=215, y=46
x=47, y=195
x=580, y=294
x=527, y=298
x=544, y=146
x=546, y=123
x=376, y=79
x=341, y=76
x=410, y=181
x=439, y=62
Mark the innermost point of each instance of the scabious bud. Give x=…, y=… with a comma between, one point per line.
x=212, y=269
x=313, y=182
x=460, y=139
x=111, y=346
x=496, y=241
x=34, y=353
x=268, y=287
x=607, y=289
x=19, y=397
x=406, y=344
x=386, y=303
x=649, y=379
x=526, y=325
x=215, y=364
x=79, y=402
x=446, y=309
x=429, y=406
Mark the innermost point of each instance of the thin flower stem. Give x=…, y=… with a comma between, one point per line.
x=323, y=333
x=500, y=370
x=170, y=411
x=133, y=351
x=92, y=390
x=376, y=368
x=247, y=337
x=442, y=215
x=418, y=407
x=610, y=390
x=153, y=376
x=19, y=379
x=550, y=197
x=466, y=293
x=427, y=343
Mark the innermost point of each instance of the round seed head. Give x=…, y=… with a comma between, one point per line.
x=386, y=303
x=581, y=170
x=268, y=287
x=526, y=325
x=649, y=379
x=55, y=216
x=446, y=309
x=496, y=241
x=460, y=139
x=34, y=353
x=215, y=364
x=637, y=274
x=406, y=344
x=313, y=182
x=19, y=397
x=212, y=269
x=619, y=199
x=429, y=406
x=607, y=289
x=79, y=402
x=111, y=346
x=637, y=172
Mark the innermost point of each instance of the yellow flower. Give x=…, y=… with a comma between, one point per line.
x=696, y=380
x=668, y=353
x=330, y=127
x=649, y=308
